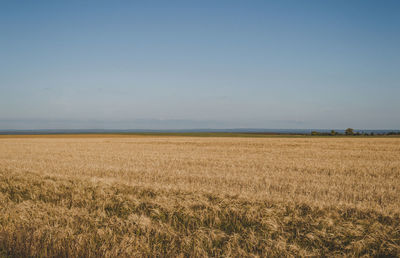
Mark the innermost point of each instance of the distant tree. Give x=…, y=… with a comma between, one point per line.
x=315, y=133
x=333, y=132
x=349, y=131
x=372, y=134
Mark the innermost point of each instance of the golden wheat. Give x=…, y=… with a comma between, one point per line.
x=180, y=196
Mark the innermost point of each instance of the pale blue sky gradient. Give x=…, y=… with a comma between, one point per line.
x=199, y=64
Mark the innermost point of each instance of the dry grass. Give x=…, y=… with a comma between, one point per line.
x=186, y=196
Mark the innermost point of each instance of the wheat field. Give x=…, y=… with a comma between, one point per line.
x=106, y=196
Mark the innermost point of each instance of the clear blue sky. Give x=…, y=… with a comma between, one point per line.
x=199, y=64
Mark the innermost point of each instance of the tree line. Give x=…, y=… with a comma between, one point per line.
x=351, y=132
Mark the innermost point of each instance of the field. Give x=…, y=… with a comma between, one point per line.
x=105, y=195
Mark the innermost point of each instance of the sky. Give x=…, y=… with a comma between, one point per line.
x=199, y=64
